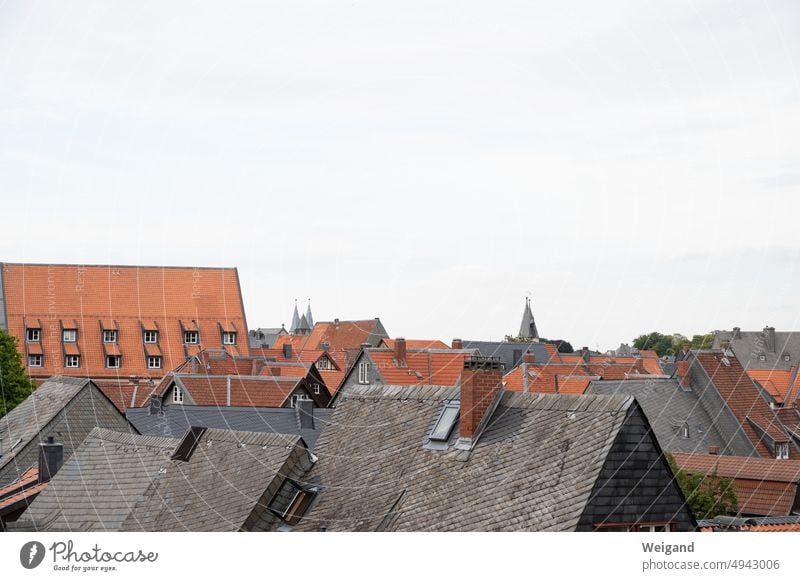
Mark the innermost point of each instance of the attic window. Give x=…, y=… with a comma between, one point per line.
x=762, y=357
x=444, y=424
x=113, y=361
x=786, y=357
x=72, y=361
x=191, y=337
x=69, y=335
x=291, y=501
x=228, y=338
x=363, y=373
x=782, y=451
x=34, y=360
x=154, y=362
x=151, y=336
x=109, y=336
x=188, y=444
x=33, y=335
x=177, y=394
x=685, y=431
x=316, y=389
x=323, y=363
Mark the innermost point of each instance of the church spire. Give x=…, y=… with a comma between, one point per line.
x=309, y=318
x=295, y=319
x=528, y=329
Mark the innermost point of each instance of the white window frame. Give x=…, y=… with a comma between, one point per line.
x=782, y=451
x=31, y=357
x=69, y=335
x=191, y=335
x=152, y=360
x=317, y=388
x=787, y=357
x=323, y=363
x=33, y=334
x=109, y=336
x=363, y=373
x=177, y=394
x=70, y=359
x=117, y=358
x=229, y=338
x=151, y=336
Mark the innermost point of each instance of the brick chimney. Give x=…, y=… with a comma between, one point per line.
x=400, y=350
x=713, y=450
x=769, y=339
x=457, y=344
x=683, y=373
x=638, y=365
x=275, y=371
x=51, y=457
x=737, y=333
x=481, y=386
x=529, y=357
x=585, y=354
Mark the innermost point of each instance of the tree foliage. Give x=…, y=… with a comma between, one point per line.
x=664, y=344
x=708, y=496
x=15, y=385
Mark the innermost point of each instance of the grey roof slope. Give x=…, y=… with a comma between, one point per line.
x=510, y=354
x=667, y=407
x=24, y=422
x=126, y=482
x=749, y=346
x=533, y=469
x=176, y=419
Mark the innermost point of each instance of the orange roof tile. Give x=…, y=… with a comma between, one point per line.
x=775, y=381
x=244, y=391
x=421, y=367
x=416, y=344
x=132, y=297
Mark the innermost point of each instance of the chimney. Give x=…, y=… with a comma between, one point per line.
x=737, y=333
x=325, y=346
x=638, y=365
x=400, y=349
x=457, y=344
x=154, y=405
x=336, y=322
x=713, y=450
x=683, y=373
x=585, y=354
x=769, y=339
x=481, y=384
x=305, y=414
x=51, y=457
x=725, y=344
x=275, y=371
x=529, y=357
x=287, y=350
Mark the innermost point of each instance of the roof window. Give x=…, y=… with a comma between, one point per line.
x=188, y=444
x=291, y=501
x=445, y=422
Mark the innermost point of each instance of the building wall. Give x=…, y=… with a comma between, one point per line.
x=87, y=410
x=636, y=484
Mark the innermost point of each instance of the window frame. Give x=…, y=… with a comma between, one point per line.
x=118, y=359
x=363, y=373
x=154, y=358
x=31, y=330
x=782, y=451
x=229, y=338
x=109, y=333
x=69, y=358
x=188, y=334
x=72, y=333
x=41, y=360
x=154, y=335
x=177, y=394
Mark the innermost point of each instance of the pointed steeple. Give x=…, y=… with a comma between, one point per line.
x=309, y=318
x=302, y=327
x=295, y=319
x=528, y=327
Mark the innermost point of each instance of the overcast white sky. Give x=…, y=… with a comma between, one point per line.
x=633, y=165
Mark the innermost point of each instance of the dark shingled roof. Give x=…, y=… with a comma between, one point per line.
x=668, y=407
x=533, y=468
x=510, y=354
x=176, y=419
x=117, y=481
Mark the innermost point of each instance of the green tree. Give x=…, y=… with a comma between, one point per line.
x=15, y=385
x=661, y=344
x=702, y=341
x=707, y=495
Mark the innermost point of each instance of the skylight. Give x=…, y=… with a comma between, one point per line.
x=444, y=425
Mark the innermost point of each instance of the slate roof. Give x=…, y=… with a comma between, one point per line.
x=128, y=482
x=23, y=424
x=126, y=297
x=533, y=468
x=668, y=408
x=176, y=419
x=763, y=486
x=509, y=353
x=751, y=345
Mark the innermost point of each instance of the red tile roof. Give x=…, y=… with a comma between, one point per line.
x=128, y=297
x=416, y=344
x=740, y=393
x=22, y=491
x=421, y=367
x=270, y=391
x=124, y=394
x=763, y=486
x=775, y=381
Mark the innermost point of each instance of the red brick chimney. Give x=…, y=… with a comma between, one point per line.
x=638, y=364
x=276, y=371
x=481, y=381
x=713, y=450
x=400, y=350
x=457, y=344
x=683, y=373
x=529, y=357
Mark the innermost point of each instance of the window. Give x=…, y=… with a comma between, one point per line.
x=786, y=357
x=109, y=336
x=177, y=394
x=70, y=335
x=33, y=334
x=299, y=397
x=151, y=336
x=444, y=425
x=190, y=337
x=291, y=501
x=685, y=431
x=762, y=357
x=34, y=360
x=72, y=361
x=658, y=528
x=113, y=361
x=782, y=451
x=316, y=388
x=323, y=363
x=363, y=373
x=229, y=338
x=153, y=362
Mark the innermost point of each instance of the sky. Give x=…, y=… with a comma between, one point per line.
x=631, y=166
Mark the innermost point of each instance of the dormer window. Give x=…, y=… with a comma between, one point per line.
x=229, y=338
x=323, y=363
x=72, y=361
x=177, y=394
x=69, y=336
x=782, y=451
x=291, y=501
x=786, y=357
x=363, y=373
x=113, y=361
x=685, y=431
x=33, y=335
x=191, y=337
x=153, y=362
x=762, y=357
x=109, y=336
x=34, y=360
x=151, y=336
